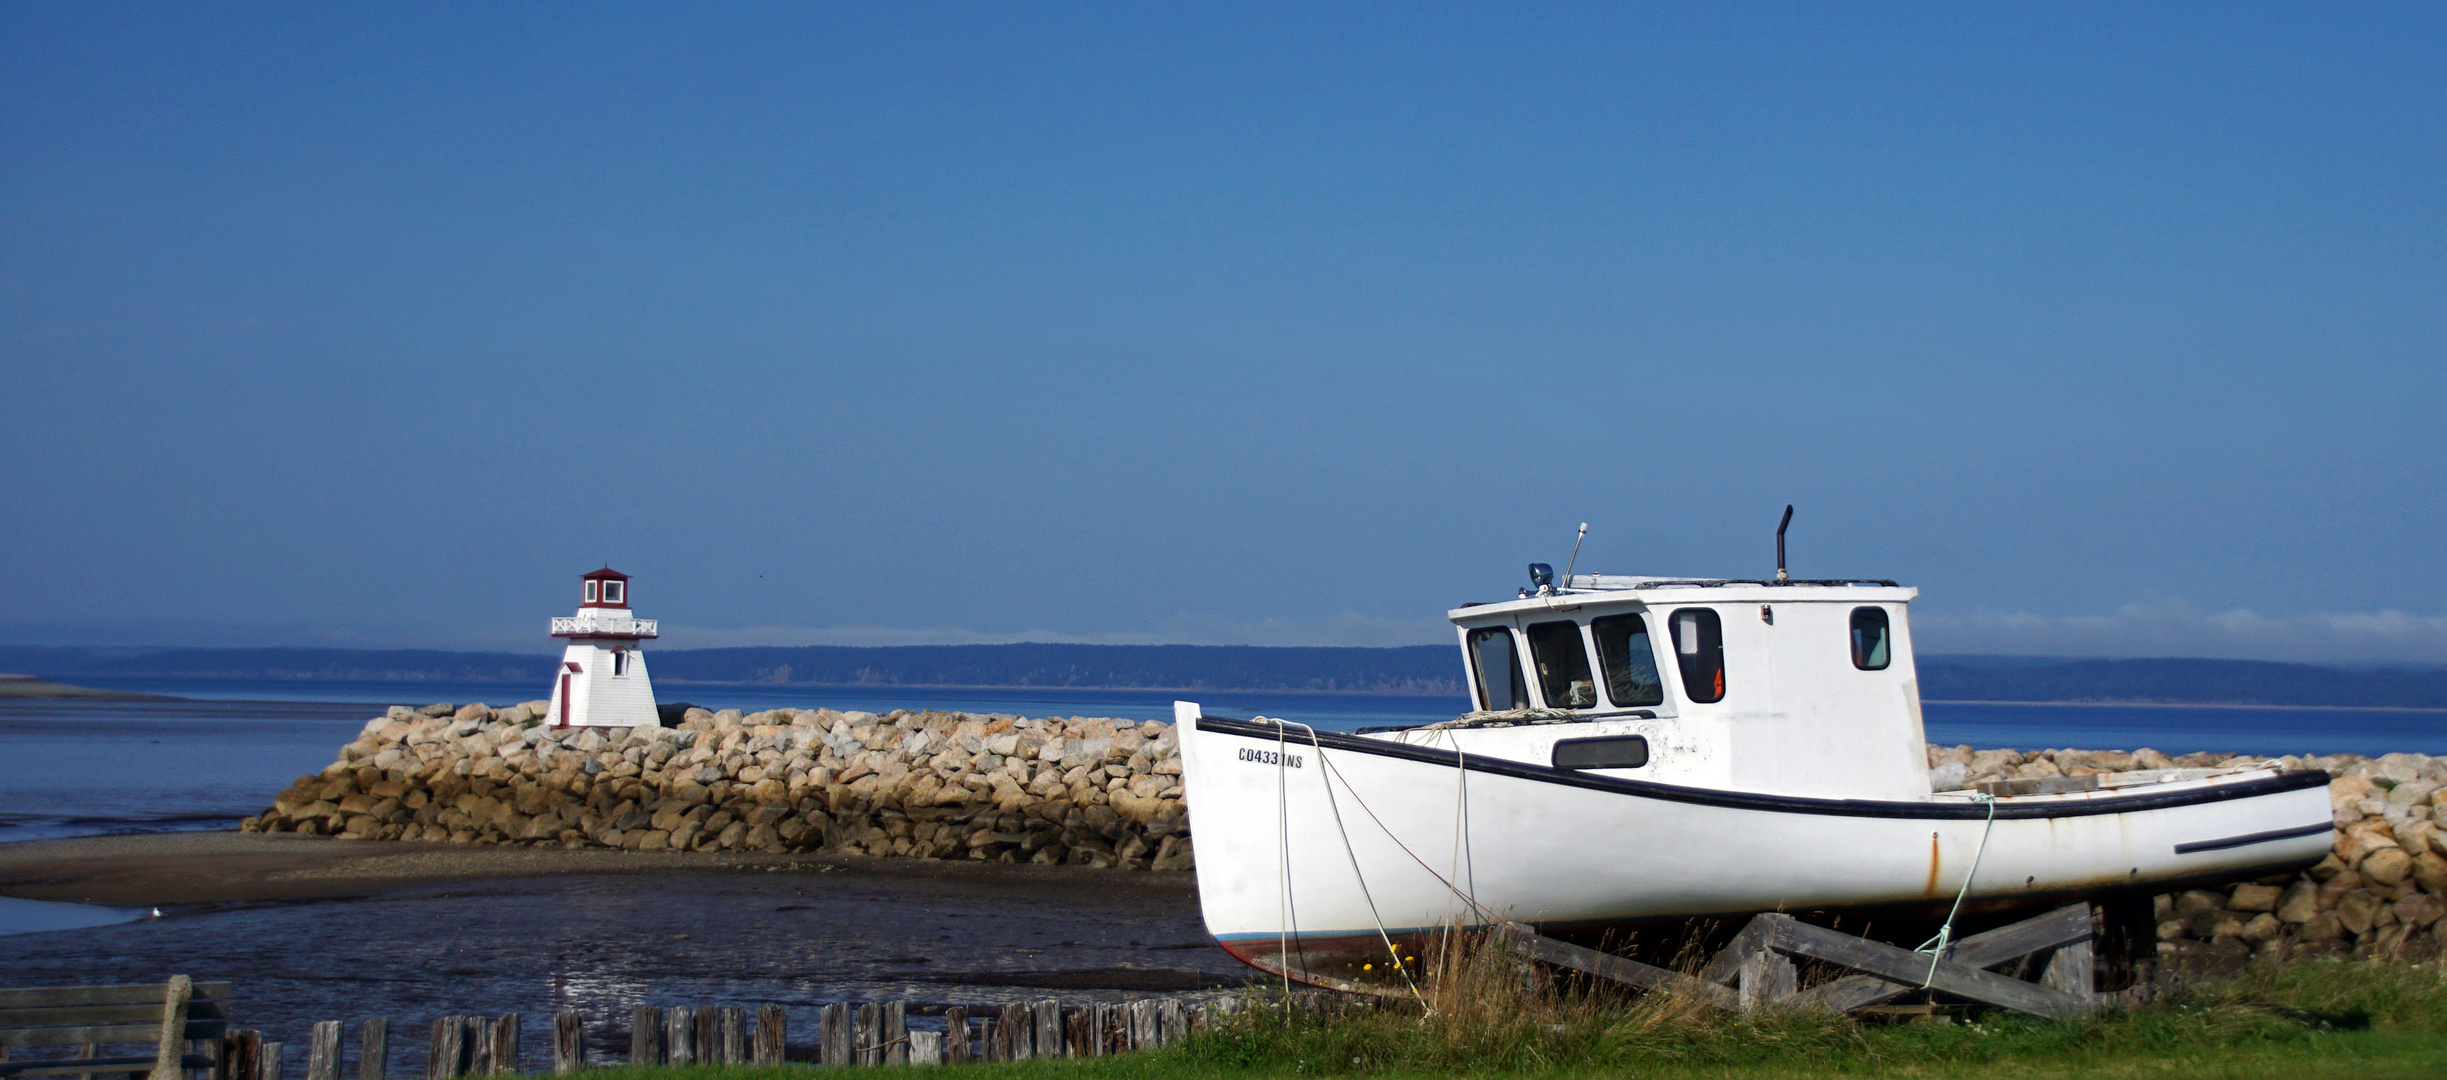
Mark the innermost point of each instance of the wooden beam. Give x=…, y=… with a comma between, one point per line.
x=1796, y=938
x=1727, y=962
x=1525, y=943
x=2063, y=926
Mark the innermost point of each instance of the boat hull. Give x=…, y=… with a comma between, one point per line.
x=1332, y=846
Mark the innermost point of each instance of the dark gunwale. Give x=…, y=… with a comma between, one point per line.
x=1780, y=804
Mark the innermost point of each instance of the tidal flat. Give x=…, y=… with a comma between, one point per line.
x=324, y=929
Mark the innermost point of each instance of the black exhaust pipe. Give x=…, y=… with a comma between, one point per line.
x=1781, y=576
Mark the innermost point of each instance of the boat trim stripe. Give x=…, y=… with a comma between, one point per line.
x=1783, y=804
x=2248, y=839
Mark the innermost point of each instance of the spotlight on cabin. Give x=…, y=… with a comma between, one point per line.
x=1542, y=575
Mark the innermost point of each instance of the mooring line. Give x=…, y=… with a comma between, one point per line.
x=1936, y=946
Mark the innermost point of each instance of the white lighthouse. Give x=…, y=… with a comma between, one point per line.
x=602, y=681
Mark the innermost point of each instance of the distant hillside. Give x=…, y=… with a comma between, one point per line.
x=2176, y=681
x=1416, y=669
x=1419, y=669
x=1423, y=669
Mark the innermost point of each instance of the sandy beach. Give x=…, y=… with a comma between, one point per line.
x=321, y=929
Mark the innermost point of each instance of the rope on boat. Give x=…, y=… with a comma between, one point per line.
x=1465, y=858
x=1456, y=890
x=1936, y=947
x=1394, y=954
x=1285, y=911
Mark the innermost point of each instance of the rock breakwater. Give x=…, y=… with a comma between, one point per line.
x=1107, y=793
x=2382, y=890
x=1078, y=791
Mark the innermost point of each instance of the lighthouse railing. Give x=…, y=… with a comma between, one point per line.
x=617, y=627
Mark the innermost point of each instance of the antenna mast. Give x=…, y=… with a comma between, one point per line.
x=1781, y=576
x=1575, y=559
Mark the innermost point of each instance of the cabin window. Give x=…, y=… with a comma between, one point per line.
x=1630, y=665
x=1699, y=647
x=1563, y=665
x=615, y=592
x=1621, y=752
x=591, y=596
x=1871, y=650
x=1500, y=685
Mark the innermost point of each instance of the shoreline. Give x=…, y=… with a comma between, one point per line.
x=36, y=687
x=185, y=869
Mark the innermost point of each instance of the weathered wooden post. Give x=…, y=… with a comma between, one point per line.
x=273, y=1053
x=646, y=1036
x=709, y=1035
x=323, y=1051
x=1049, y=1028
x=1172, y=1021
x=680, y=1035
x=240, y=1051
x=1002, y=1039
x=730, y=1029
x=869, y=1049
x=479, y=1046
x=955, y=1035
x=445, y=1048
x=1143, y=1020
x=895, y=1033
x=1075, y=1030
x=925, y=1048
x=506, y=1060
x=772, y=1034
x=374, y=1049
x=833, y=1035
x=568, y=1042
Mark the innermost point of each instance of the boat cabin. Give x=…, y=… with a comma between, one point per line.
x=1789, y=687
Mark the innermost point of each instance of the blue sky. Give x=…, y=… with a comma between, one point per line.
x=2118, y=332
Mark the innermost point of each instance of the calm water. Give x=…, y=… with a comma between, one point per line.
x=71, y=767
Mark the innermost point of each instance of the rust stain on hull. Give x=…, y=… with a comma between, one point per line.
x=1931, y=890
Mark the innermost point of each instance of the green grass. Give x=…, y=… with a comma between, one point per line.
x=2368, y=1020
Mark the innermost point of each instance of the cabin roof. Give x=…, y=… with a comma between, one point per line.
x=1612, y=590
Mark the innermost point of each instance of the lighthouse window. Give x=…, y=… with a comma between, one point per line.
x=1500, y=685
x=1631, y=667
x=1563, y=665
x=591, y=596
x=615, y=592
x=1870, y=647
x=1699, y=648
x=620, y=661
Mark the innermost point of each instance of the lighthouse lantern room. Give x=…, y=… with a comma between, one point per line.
x=602, y=681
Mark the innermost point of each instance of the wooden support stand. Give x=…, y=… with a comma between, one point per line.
x=1757, y=971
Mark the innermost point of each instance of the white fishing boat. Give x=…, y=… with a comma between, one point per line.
x=1656, y=749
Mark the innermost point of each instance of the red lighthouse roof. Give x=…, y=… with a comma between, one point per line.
x=607, y=588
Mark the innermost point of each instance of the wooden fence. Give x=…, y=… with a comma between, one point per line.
x=847, y=1034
